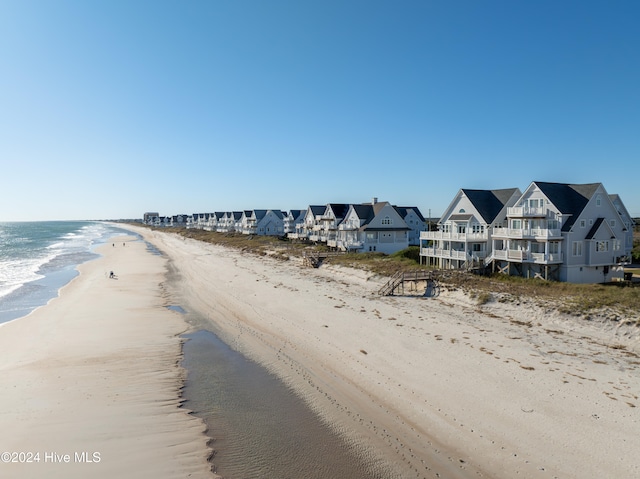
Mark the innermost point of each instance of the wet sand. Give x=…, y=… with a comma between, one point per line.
x=260, y=427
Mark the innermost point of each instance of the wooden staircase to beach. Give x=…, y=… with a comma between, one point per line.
x=397, y=281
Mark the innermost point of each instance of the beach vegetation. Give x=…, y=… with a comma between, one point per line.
x=635, y=252
x=621, y=300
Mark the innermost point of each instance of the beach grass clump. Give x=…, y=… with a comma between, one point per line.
x=484, y=297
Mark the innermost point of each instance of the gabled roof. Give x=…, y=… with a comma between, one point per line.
x=596, y=225
x=569, y=199
x=488, y=203
x=404, y=210
x=278, y=213
x=365, y=212
x=317, y=210
x=339, y=209
x=259, y=214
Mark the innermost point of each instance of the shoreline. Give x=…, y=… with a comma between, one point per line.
x=432, y=385
x=92, y=380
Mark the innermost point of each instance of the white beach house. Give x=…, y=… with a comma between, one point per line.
x=376, y=226
x=557, y=231
x=463, y=236
x=262, y=222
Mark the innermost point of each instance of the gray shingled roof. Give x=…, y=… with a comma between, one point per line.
x=594, y=228
x=488, y=203
x=317, y=209
x=569, y=199
x=339, y=209
x=402, y=211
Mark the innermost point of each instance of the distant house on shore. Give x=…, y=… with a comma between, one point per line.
x=262, y=223
x=373, y=227
x=414, y=220
x=292, y=219
x=309, y=225
x=150, y=218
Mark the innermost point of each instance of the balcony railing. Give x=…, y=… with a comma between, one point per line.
x=526, y=211
x=347, y=227
x=454, y=236
x=452, y=254
x=349, y=244
x=524, y=256
x=519, y=233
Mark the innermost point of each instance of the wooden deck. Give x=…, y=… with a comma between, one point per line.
x=397, y=281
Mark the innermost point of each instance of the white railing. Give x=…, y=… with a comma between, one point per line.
x=519, y=233
x=453, y=236
x=522, y=211
x=546, y=258
x=347, y=227
x=527, y=256
x=349, y=244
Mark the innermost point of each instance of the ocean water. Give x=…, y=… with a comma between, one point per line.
x=38, y=258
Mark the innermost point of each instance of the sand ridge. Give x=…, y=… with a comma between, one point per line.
x=441, y=387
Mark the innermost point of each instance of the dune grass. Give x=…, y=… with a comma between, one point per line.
x=571, y=298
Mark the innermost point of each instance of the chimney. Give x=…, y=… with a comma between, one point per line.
x=374, y=200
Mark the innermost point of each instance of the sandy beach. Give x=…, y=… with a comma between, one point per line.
x=91, y=381
x=440, y=387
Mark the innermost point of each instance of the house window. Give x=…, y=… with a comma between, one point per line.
x=554, y=247
x=583, y=223
x=602, y=246
x=462, y=210
x=516, y=224
x=591, y=222
x=616, y=245
x=477, y=228
x=386, y=220
x=598, y=200
x=613, y=223
x=576, y=248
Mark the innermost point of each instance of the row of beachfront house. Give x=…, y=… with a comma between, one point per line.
x=375, y=226
x=564, y=232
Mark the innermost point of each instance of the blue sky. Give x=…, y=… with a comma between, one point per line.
x=112, y=108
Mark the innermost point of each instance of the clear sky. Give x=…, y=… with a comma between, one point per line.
x=110, y=108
